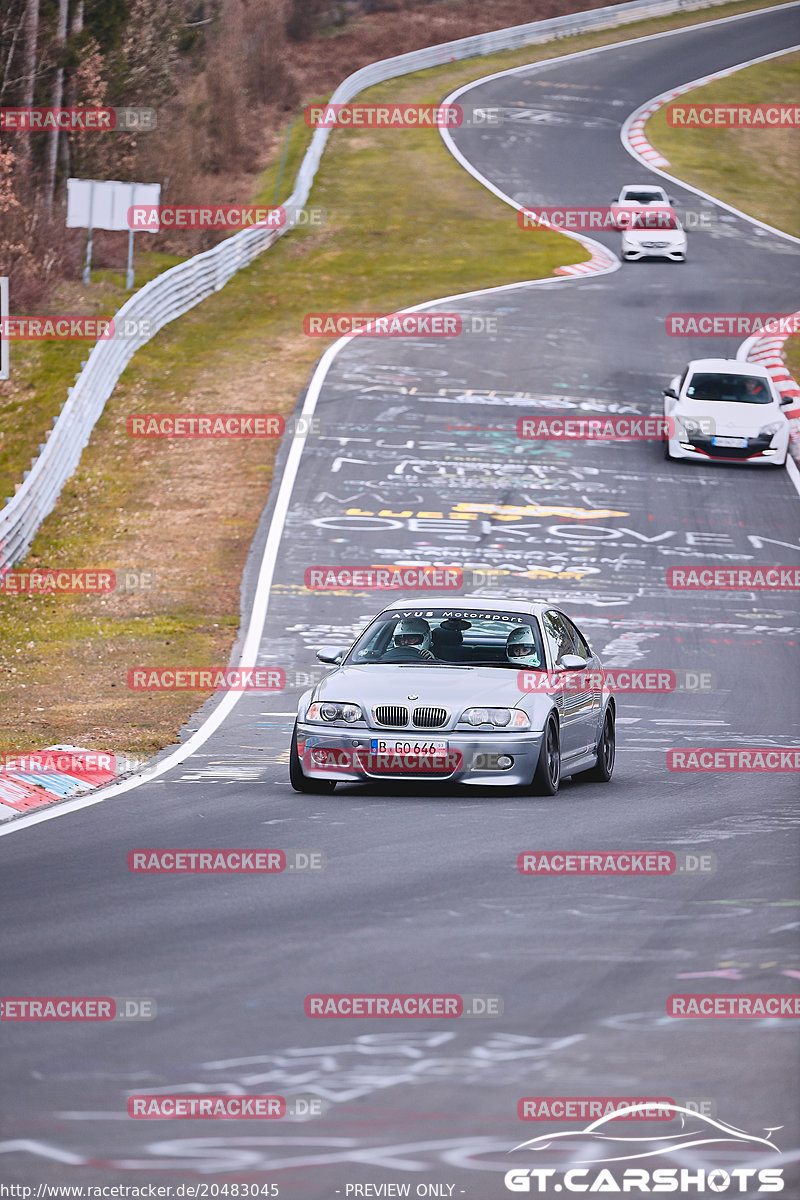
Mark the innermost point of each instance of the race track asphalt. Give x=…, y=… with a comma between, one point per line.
x=420, y=890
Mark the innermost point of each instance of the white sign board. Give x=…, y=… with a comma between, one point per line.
x=104, y=204
x=4, y=357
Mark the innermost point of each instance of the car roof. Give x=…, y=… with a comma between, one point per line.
x=642, y=187
x=458, y=603
x=731, y=366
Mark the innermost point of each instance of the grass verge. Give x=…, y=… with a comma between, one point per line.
x=755, y=170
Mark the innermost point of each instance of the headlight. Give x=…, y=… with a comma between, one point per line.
x=503, y=718
x=769, y=430
x=328, y=711
x=694, y=426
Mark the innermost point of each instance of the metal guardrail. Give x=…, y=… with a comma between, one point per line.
x=179, y=289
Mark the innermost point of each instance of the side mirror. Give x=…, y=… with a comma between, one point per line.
x=670, y=391
x=572, y=662
x=788, y=401
x=331, y=655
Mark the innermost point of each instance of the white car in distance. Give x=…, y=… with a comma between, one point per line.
x=637, y=195
x=654, y=233
x=725, y=410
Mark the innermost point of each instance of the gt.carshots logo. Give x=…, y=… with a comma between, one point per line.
x=683, y=1180
x=607, y=1143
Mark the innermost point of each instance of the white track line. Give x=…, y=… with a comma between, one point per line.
x=258, y=613
x=637, y=119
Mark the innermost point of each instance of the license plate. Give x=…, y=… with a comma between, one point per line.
x=739, y=442
x=408, y=746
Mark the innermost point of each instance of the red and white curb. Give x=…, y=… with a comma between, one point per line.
x=633, y=136
x=42, y=777
x=766, y=349
x=602, y=260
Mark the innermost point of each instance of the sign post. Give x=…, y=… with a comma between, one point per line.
x=103, y=204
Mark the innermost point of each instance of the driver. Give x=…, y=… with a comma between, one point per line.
x=414, y=633
x=754, y=390
x=521, y=648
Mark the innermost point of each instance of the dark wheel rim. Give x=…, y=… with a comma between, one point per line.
x=608, y=750
x=553, y=756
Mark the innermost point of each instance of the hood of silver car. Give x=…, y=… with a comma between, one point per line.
x=450, y=687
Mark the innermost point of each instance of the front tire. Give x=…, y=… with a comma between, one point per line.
x=606, y=752
x=547, y=775
x=300, y=781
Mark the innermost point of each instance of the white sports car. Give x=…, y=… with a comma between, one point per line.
x=468, y=690
x=726, y=410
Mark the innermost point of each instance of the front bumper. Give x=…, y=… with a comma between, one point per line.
x=474, y=752
x=633, y=253
x=760, y=451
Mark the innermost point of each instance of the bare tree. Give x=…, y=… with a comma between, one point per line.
x=29, y=77
x=58, y=95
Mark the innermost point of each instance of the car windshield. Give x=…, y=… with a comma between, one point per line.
x=450, y=637
x=728, y=389
x=637, y=196
x=655, y=218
